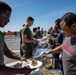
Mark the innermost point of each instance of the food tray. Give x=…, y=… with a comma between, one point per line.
x=39, y=51
x=48, y=62
x=57, y=71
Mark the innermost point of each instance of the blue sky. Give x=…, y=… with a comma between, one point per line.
x=45, y=12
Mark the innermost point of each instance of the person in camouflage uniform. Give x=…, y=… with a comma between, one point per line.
x=27, y=42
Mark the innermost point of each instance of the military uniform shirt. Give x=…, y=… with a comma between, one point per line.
x=1, y=48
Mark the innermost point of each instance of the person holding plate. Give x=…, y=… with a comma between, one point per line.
x=5, y=13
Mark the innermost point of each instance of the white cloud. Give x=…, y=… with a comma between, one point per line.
x=23, y=3
x=18, y=3
x=56, y=13
x=61, y=12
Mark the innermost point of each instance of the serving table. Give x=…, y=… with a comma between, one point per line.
x=38, y=56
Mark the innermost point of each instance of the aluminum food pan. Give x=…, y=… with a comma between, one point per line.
x=57, y=71
x=39, y=52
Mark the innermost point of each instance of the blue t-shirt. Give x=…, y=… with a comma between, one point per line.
x=69, y=56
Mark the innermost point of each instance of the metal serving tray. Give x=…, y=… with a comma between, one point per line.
x=57, y=71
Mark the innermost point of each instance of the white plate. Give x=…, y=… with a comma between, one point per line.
x=39, y=63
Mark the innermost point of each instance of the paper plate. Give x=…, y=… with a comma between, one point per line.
x=39, y=63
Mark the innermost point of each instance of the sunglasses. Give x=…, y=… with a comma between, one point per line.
x=6, y=16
